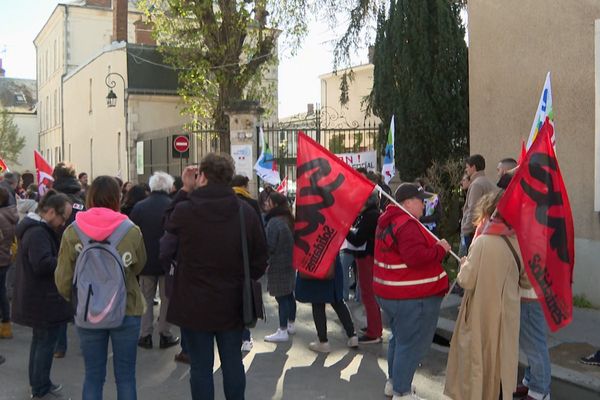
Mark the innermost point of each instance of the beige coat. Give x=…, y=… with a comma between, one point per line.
x=485, y=346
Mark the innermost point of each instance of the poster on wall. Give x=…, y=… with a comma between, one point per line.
x=139, y=157
x=365, y=159
x=242, y=156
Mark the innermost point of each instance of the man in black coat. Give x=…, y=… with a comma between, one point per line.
x=148, y=215
x=207, y=293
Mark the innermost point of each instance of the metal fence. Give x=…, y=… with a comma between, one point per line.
x=327, y=128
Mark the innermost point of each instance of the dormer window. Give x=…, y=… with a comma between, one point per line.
x=20, y=98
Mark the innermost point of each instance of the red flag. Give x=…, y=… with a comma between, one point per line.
x=283, y=186
x=523, y=152
x=329, y=196
x=536, y=205
x=44, y=173
x=3, y=167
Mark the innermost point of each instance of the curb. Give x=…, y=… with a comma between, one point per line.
x=446, y=327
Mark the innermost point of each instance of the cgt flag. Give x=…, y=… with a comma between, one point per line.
x=3, y=167
x=44, y=173
x=536, y=205
x=329, y=196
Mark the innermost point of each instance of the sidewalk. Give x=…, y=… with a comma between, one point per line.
x=567, y=346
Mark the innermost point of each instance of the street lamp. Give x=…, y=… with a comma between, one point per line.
x=111, y=102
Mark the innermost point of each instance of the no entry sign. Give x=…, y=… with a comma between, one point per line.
x=181, y=146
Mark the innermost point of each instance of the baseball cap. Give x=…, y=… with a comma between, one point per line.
x=408, y=191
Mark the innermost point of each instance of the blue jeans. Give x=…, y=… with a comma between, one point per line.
x=4, y=306
x=287, y=309
x=94, y=346
x=532, y=340
x=413, y=324
x=465, y=243
x=246, y=335
x=61, y=343
x=201, y=347
x=41, y=355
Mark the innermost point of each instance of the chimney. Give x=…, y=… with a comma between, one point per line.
x=310, y=109
x=120, y=12
x=143, y=33
x=98, y=3
x=2, y=71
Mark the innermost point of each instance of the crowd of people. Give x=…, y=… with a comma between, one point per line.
x=182, y=240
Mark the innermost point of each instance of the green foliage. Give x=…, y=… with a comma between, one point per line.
x=336, y=143
x=581, y=301
x=421, y=77
x=221, y=48
x=11, y=143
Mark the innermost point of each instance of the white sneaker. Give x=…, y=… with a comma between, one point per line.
x=291, y=329
x=247, y=345
x=280, y=336
x=388, y=389
x=320, y=347
x=353, y=342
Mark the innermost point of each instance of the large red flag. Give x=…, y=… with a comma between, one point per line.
x=329, y=196
x=536, y=205
x=44, y=173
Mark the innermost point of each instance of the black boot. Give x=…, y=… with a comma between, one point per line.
x=168, y=341
x=145, y=342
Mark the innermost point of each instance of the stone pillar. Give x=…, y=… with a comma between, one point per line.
x=244, y=117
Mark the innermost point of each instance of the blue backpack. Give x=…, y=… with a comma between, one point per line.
x=99, y=292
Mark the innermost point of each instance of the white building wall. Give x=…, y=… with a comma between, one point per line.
x=28, y=127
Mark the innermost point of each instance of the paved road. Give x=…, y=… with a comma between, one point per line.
x=285, y=371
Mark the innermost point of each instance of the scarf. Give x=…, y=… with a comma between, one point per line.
x=493, y=226
x=242, y=192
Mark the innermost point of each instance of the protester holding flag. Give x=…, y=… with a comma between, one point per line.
x=484, y=351
x=409, y=282
x=280, y=273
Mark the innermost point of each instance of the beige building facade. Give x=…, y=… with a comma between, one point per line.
x=73, y=34
x=102, y=140
x=18, y=98
x=358, y=89
x=512, y=45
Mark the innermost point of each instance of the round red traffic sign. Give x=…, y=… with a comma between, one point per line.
x=181, y=144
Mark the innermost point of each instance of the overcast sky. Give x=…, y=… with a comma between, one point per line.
x=20, y=22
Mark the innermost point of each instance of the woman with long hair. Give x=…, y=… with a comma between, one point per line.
x=36, y=301
x=280, y=273
x=101, y=219
x=484, y=352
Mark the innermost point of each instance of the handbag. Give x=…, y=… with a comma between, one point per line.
x=252, y=303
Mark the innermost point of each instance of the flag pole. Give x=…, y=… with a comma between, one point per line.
x=383, y=192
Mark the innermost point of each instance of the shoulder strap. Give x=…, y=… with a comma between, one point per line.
x=513, y=251
x=85, y=239
x=119, y=233
x=244, y=244
x=114, y=238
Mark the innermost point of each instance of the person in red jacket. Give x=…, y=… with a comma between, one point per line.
x=409, y=283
